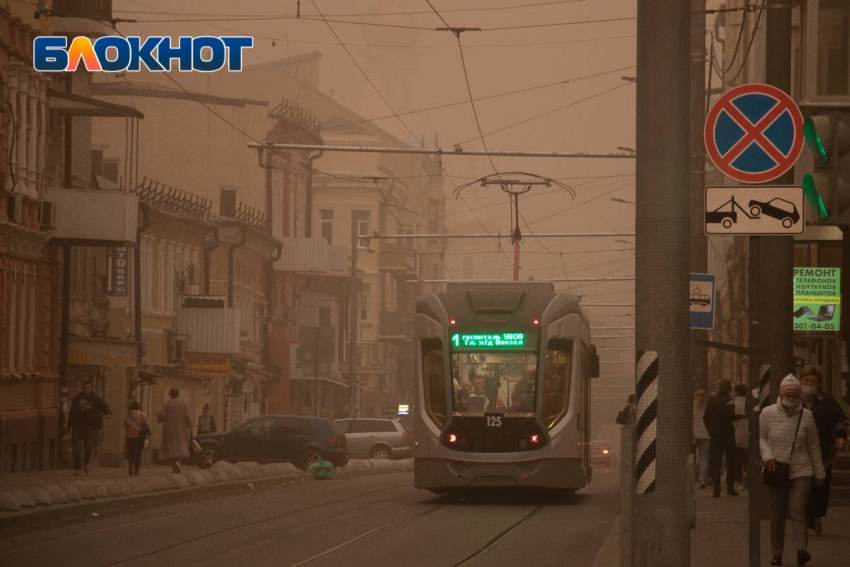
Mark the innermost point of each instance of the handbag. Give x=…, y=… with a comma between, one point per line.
x=781, y=473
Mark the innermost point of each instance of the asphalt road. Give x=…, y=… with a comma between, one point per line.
x=366, y=521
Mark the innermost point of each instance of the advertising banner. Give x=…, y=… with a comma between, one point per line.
x=817, y=299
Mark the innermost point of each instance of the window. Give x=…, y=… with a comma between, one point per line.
x=364, y=301
x=833, y=47
x=260, y=426
x=324, y=316
x=434, y=380
x=557, y=374
x=435, y=215
x=326, y=222
x=495, y=381
x=360, y=226
x=343, y=424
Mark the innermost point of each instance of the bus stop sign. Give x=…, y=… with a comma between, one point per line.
x=754, y=133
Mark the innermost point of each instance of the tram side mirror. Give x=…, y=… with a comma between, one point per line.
x=594, y=362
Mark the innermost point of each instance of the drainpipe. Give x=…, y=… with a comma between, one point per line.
x=271, y=300
x=209, y=247
x=137, y=283
x=308, y=204
x=230, y=264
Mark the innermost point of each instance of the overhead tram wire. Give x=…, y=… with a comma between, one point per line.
x=750, y=45
x=390, y=107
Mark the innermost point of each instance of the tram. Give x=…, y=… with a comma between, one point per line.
x=503, y=388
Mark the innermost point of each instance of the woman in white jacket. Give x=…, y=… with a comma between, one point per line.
x=777, y=426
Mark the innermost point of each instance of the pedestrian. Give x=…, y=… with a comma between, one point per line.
x=721, y=432
x=831, y=423
x=84, y=418
x=137, y=430
x=627, y=414
x=206, y=421
x=702, y=441
x=176, y=432
x=790, y=450
x=741, y=423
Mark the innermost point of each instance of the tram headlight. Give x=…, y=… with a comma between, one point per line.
x=535, y=439
x=452, y=438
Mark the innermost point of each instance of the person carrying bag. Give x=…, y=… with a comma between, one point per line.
x=787, y=431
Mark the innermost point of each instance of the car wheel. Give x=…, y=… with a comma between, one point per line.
x=309, y=457
x=755, y=211
x=727, y=223
x=209, y=455
x=787, y=222
x=381, y=452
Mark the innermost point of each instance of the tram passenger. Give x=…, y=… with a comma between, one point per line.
x=522, y=396
x=492, y=383
x=478, y=402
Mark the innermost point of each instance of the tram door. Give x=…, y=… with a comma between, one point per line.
x=584, y=381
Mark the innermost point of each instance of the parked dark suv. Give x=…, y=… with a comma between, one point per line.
x=294, y=439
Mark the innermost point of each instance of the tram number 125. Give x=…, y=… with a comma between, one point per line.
x=494, y=420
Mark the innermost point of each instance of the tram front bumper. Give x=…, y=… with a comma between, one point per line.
x=436, y=474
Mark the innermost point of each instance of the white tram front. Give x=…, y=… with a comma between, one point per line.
x=503, y=388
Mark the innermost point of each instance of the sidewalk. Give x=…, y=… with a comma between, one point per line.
x=33, y=495
x=721, y=534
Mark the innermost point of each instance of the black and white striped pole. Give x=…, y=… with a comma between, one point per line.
x=646, y=414
x=662, y=271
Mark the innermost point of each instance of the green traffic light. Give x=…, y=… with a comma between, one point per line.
x=813, y=140
x=810, y=190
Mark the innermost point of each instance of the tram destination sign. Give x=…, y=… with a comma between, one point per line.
x=487, y=341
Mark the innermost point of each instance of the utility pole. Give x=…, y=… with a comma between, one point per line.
x=661, y=525
x=316, y=370
x=753, y=358
x=699, y=254
x=352, y=326
x=777, y=252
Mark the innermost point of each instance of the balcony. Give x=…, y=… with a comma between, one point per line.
x=311, y=255
x=396, y=256
x=395, y=325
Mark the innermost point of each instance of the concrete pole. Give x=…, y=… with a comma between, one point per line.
x=777, y=252
x=699, y=253
x=661, y=527
x=352, y=327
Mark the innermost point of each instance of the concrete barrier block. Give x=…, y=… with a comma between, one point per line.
x=159, y=483
x=100, y=489
x=268, y=470
x=208, y=476
x=8, y=502
x=235, y=474
x=195, y=478
x=247, y=465
x=111, y=488
x=220, y=475
x=24, y=499
x=257, y=472
x=177, y=480
x=123, y=486
x=72, y=492
x=85, y=489
x=58, y=495
x=40, y=496
x=289, y=468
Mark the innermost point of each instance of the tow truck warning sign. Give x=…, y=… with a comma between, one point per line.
x=754, y=210
x=817, y=299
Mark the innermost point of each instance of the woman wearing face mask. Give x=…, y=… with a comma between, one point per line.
x=831, y=424
x=788, y=435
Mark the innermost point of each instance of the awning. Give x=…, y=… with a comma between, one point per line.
x=75, y=105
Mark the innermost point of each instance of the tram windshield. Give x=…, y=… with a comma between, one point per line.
x=494, y=382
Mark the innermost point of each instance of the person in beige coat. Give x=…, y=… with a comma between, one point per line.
x=784, y=426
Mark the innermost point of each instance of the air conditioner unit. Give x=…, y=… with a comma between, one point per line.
x=183, y=285
x=47, y=215
x=15, y=208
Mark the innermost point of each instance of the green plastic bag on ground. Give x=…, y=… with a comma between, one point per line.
x=323, y=470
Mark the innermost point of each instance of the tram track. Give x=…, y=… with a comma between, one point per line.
x=215, y=533
x=498, y=539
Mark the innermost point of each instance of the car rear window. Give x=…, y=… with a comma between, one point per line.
x=342, y=424
x=385, y=426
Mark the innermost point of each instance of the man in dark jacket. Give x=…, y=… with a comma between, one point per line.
x=832, y=425
x=721, y=432
x=86, y=416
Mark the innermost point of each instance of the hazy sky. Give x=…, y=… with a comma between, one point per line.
x=420, y=68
